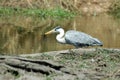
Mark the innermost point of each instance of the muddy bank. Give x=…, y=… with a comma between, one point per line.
x=79, y=64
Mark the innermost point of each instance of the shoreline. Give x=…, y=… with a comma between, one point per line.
x=80, y=51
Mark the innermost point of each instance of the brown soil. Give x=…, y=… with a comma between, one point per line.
x=79, y=64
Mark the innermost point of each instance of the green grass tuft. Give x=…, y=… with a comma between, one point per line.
x=42, y=13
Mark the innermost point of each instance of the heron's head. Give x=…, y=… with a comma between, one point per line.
x=55, y=30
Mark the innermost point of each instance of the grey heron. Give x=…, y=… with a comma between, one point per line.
x=75, y=38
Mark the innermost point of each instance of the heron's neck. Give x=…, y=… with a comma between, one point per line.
x=60, y=37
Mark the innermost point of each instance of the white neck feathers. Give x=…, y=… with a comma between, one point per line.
x=60, y=37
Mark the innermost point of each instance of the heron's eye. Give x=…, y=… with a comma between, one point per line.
x=56, y=29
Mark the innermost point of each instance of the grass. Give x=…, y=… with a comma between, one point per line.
x=42, y=13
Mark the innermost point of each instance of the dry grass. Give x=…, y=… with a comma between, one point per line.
x=69, y=5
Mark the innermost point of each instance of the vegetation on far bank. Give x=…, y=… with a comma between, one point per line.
x=44, y=13
x=115, y=9
x=59, y=9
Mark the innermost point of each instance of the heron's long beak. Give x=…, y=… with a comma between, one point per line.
x=49, y=32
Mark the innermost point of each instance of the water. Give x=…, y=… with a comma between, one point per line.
x=22, y=34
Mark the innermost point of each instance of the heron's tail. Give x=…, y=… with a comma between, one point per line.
x=97, y=42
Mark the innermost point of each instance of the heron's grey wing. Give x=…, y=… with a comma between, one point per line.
x=80, y=39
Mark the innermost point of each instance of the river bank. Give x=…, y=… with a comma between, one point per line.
x=81, y=7
x=87, y=64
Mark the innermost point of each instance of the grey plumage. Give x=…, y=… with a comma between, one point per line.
x=80, y=39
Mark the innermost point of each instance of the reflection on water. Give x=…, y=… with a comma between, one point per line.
x=21, y=34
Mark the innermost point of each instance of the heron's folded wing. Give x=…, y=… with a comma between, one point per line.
x=75, y=37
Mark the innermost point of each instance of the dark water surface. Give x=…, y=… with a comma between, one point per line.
x=22, y=34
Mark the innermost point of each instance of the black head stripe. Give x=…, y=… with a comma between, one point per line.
x=58, y=27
